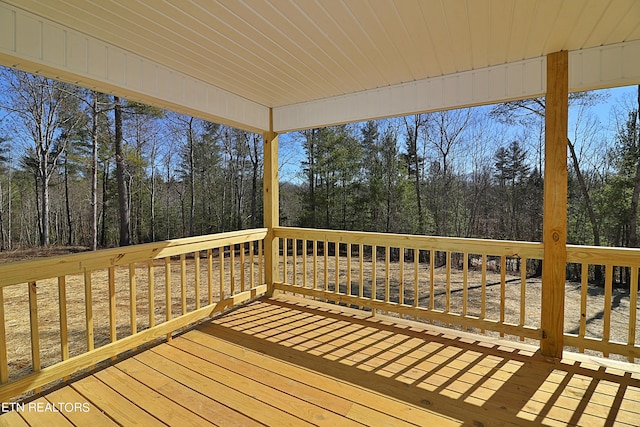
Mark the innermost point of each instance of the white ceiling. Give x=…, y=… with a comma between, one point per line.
x=281, y=52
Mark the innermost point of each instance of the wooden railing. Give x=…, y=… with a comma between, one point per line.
x=65, y=314
x=71, y=312
x=485, y=285
x=471, y=283
x=606, y=286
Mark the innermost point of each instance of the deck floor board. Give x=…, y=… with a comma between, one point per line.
x=292, y=361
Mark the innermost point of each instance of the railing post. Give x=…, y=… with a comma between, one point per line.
x=554, y=233
x=271, y=206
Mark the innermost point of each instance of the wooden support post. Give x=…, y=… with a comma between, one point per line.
x=271, y=206
x=554, y=234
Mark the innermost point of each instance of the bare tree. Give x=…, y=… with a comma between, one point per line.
x=634, y=128
x=444, y=134
x=123, y=195
x=41, y=105
x=414, y=161
x=522, y=110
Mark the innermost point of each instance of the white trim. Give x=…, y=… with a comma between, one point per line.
x=604, y=66
x=595, y=68
x=499, y=83
x=37, y=45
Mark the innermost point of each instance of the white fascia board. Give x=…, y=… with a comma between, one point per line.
x=604, y=66
x=589, y=69
x=517, y=80
x=34, y=44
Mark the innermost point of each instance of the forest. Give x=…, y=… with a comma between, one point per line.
x=81, y=168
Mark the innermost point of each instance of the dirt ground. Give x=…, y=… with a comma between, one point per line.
x=16, y=303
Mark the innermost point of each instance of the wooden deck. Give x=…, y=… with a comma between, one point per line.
x=290, y=361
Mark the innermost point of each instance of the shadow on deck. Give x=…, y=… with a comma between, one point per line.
x=291, y=361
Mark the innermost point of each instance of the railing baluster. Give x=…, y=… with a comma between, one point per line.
x=633, y=304
x=132, y=299
x=304, y=263
x=4, y=363
x=152, y=293
x=183, y=283
x=88, y=307
x=252, y=281
x=295, y=261
x=401, y=281
x=315, y=264
x=361, y=267
x=336, y=261
x=523, y=293
x=503, y=286
x=608, y=289
x=167, y=291
x=62, y=306
x=432, y=278
x=196, y=265
x=416, y=273
x=347, y=289
x=387, y=273
x=483, y=292
x=221, y=261
x=112, y=304
x=33, y=320
x=325, y=253
x=209, y=276
x=465, y=282
x=448, y=281
x=374, y=278
x=584, y=287
x=242, y=278
x=232, y=268
x=285, y=270
x=260, y=262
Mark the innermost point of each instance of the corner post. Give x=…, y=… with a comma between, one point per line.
x=554, y=229
x=271, y=205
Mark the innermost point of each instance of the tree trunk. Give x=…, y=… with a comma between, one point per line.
x=44, y=206
x=412, y=134
x=587, y=200
x=633, y=217
x=255, y=162
x=67, y=201
x=192, y=181
x=152, y=200
x=9, y=214
x=105, y=205
x=123, y=198
x=94, y=173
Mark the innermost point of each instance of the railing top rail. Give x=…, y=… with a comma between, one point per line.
x=601, y=255
x=454, y=244
x=33, y=270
